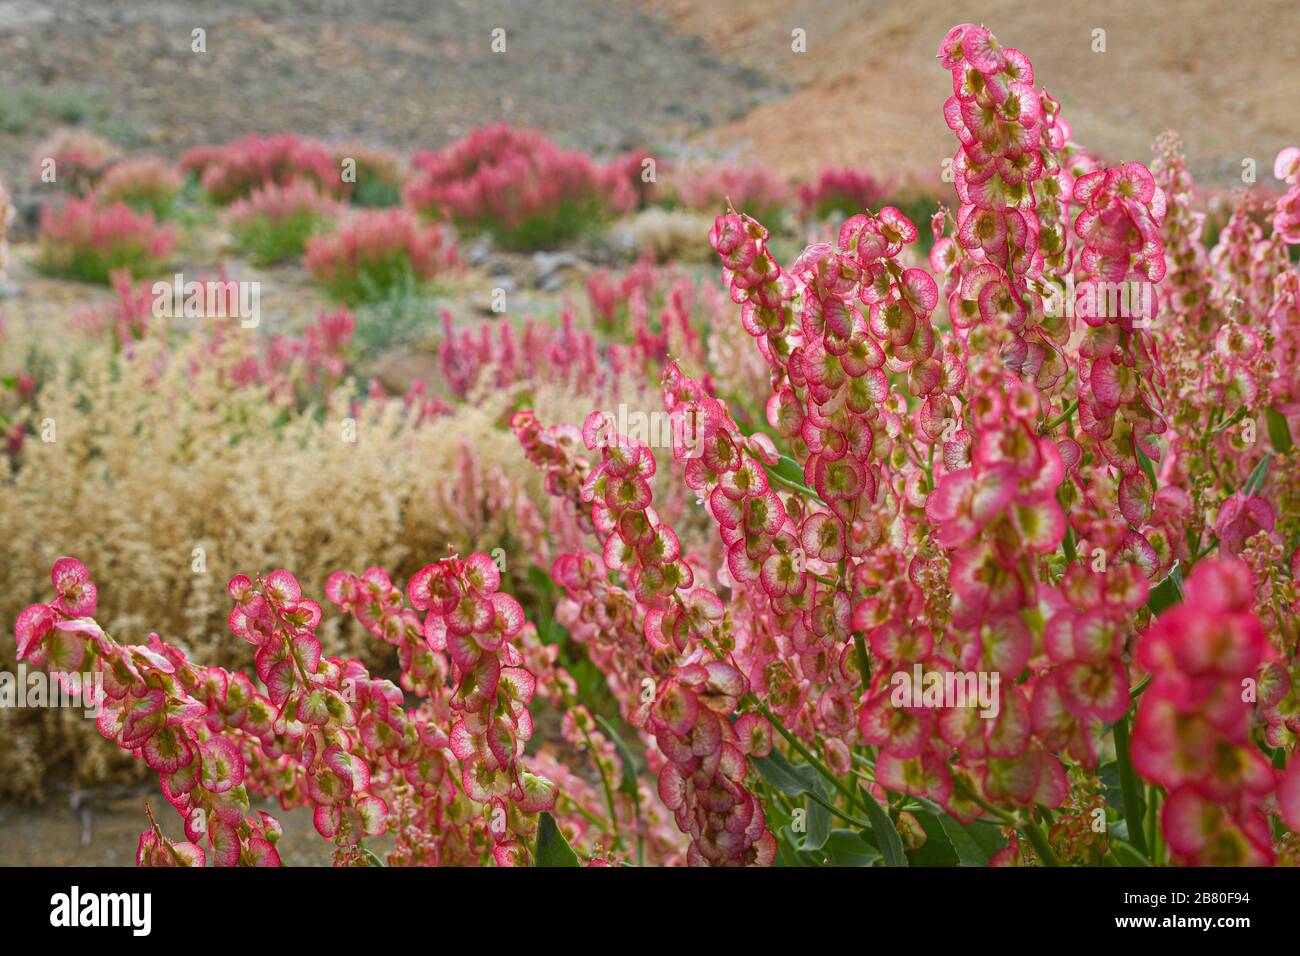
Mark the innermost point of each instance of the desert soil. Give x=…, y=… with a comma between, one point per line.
x=868, y=91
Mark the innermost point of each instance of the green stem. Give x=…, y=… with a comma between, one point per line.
x=604, y=782
x=804, y=752
x=1064, y=416
x=792, y=485
x=818, y=798
x=1129, y=787
x=1039, y=843
x=970, y=794
x=864, y=662
x=590, y=817
x=1152, y=822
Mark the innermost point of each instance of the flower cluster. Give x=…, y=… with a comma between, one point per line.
x=494, y=352
x=234, y=170
x=840, y=190
x=152, y=706
x=1193, y=725
x=321, y=696
x=88, y=241
x=1286, y=221
x=516, y=184
x=274, y=222
x=324, y=733
x=469, y=633
x=149, y=184
x=290, y=364
x=76, y=158
x=694, y=688
x=376, y=252
x=711, y=187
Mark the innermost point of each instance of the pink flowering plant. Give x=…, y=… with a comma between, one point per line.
x=147, y=184
x=234, y=170
x=73, y=160
x=274, y=222
x=377, y=251
x=842, y=191
x=89, y=241
x=518, y=186
x=708, y=186
x=981, y=556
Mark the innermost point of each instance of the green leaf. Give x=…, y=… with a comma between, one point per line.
x=974, y=844
x=782, y=775
x=1278, y=430
x=1257, y=476
x=1168, y=592
x=847, y=848
x=887, y=838
x=798, y=780
x=937, y=849
x=1130, y=789
x=1149, y=468
x=552, y=848
x=819, y=819
x=548, y=629
x=1108, y=773
x=1127, y=854
x=1237, y=416
x=788, y=482
x=787, y=467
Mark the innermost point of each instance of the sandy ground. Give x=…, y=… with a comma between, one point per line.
x=1226, y=76
x=102, y=829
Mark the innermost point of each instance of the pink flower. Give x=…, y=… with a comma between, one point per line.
x=1240, y=518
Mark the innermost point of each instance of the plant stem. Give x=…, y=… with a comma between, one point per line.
x=1039, y=842
x=1129, y=786
x=803, y=751
x=792, y=485
x=864, y=662
x=604, y=781
x=818, y=798
x=1069, y=410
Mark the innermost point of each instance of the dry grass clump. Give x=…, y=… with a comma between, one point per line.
x=670, y=235
x=159, y=453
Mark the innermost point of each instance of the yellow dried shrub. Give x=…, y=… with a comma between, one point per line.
x=157, y=453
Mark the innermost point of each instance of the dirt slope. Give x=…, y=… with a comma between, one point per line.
x=402, y=73
x=1226, y=76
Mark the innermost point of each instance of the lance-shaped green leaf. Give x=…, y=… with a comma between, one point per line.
x=1278, y=430
x=974, y=844
x=1257, y=475
x=886, y=834
x=552, y=848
